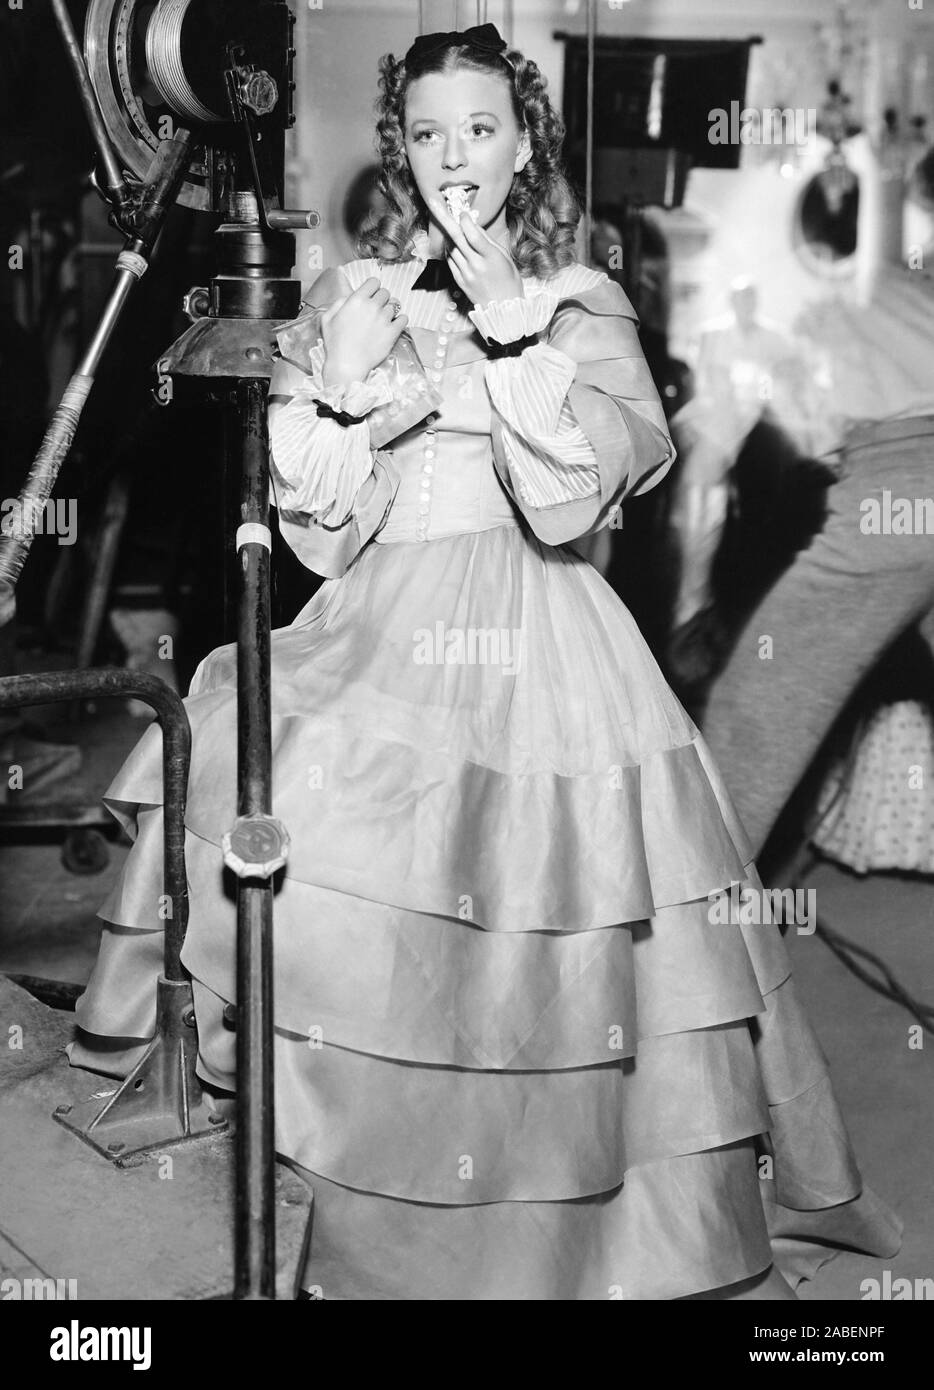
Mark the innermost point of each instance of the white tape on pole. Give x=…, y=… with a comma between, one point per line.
x=253, y=533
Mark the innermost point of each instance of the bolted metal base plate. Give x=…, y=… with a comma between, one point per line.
x=160, y=1104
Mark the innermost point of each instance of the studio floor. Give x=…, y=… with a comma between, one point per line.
x=884, y=1080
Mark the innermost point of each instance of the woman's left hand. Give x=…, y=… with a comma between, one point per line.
x=483, y=269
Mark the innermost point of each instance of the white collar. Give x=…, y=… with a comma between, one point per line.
x=419, y=245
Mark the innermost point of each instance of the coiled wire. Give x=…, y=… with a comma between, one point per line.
x=164, y=60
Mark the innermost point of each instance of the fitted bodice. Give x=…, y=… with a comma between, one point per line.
x=543, y=439
x=447, y=481
x=447, y=485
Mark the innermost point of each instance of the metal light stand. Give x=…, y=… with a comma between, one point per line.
x=161, y=1102
x=231, y=342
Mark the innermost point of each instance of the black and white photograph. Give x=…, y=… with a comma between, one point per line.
x=466, y=666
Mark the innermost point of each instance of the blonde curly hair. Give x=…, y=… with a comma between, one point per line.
x=542, y=211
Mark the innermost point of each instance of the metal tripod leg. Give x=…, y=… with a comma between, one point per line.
x=160, y=1104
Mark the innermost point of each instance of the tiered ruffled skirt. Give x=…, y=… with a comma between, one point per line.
x=514, y=1055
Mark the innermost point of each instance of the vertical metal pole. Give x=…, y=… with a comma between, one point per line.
x=632, y=258
x=588, y=176
x=176, y=760
x=117, y=191
x=255, y=1216
x=107, y=550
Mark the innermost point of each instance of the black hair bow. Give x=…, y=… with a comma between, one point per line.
x=484, y=36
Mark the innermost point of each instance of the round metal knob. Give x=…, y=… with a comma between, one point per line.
x=256, y=846
x=259, y=92
x=197, y=303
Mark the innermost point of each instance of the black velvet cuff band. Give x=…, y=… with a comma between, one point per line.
x=513, y=349
x=340, y=416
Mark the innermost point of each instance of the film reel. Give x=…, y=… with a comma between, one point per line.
x=155, y=66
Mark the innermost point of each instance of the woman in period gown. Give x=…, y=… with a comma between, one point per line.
x=517, y=1055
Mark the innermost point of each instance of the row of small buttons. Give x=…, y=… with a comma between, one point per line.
x=431, y=434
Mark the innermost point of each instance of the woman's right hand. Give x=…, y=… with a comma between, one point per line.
x=358, y=332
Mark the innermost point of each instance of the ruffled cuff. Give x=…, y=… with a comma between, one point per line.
x=506, y=320
x=355, y=398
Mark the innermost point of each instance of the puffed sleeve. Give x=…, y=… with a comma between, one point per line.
x=332, y=489
x=577, y=421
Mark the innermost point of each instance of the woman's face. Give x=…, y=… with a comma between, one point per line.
x=460, y=128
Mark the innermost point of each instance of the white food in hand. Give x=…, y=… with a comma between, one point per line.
x=457, y=199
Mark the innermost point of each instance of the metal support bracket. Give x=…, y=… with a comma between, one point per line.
x=161, y=1102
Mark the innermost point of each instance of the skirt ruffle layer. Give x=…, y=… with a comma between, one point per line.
x=678, y=1226
x=401, y=825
